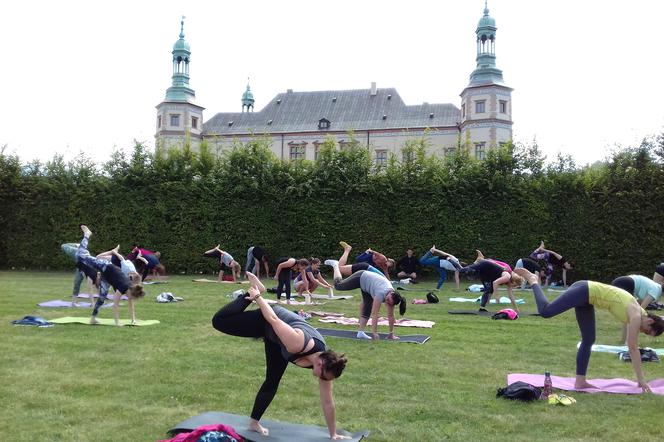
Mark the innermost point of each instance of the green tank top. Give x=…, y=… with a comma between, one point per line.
x=611, y=298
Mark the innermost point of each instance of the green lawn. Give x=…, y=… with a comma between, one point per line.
x=84, y=383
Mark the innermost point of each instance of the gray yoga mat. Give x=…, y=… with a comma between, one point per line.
x=352, y=334
x=61, y=303
x=279, y=431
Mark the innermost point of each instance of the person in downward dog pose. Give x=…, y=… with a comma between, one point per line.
x=584, y=297
x=376, y=289
x=287, y=338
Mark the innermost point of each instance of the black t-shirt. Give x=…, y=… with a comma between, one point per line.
x=116, y=278
x=258, y=253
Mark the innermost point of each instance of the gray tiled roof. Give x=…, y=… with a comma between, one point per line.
x=352, y=110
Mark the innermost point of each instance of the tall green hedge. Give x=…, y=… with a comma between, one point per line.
x=604, y=217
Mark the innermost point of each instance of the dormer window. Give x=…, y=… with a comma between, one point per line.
x=323, y=123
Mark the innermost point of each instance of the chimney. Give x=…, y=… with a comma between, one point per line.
x=374, y=91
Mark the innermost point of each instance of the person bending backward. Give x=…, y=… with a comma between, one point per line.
x=287, y=338
x=255, y=256
x=314, y=278
x=584, y=297
x=552, y=259
x=644, y=289
x=492, y=276
x=376, y=289
x=110, y=276
x=225, y=259
x=442, y=262
x=284, y=274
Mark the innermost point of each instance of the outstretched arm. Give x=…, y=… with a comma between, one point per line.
x=375, y=308
x=633, y=345
x=329, y=410
x=116, y=307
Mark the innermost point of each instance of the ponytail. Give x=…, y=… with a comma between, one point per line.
x=398, y=299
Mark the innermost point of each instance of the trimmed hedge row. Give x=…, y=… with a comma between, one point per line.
x=605, y=218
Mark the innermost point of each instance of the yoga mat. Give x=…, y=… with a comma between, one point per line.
x=503, y=300
x=279, y=431
x=293, y=302
x=334, y=297
x=403, y=322
x=617, y=348
x=102, y=321
x=96, y=295
x=479, y=313
x=617, y=385
x=352, y=334
x=61, y=303
x=219, y=282
x=153, y=282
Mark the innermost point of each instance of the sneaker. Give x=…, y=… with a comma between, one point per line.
x=331, y=262
x=362, y=335
x=482, y=309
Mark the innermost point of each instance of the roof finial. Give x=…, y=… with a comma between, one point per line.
x=486, y=8
x=182, y=27
x=247, y=83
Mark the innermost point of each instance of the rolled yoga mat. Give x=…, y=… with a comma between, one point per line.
x=102, y=321
x=279, y=431
x=352, y=334
x=620, y=386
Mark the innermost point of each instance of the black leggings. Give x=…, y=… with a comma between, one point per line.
x=353, y=282
x=487, y=271
x=574, y=297
x=232, y=319
x=624, y=282
x=284, y=285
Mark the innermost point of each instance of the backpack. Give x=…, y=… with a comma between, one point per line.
x=647, y=355
x=506, y=313
x=520, y=391
x=432, y=298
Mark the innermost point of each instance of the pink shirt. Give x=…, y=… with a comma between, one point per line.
x=502, y=264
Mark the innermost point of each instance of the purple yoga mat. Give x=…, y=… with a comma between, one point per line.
x=624, y=386
x=61, y=303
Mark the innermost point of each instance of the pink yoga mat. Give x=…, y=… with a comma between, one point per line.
x=624, y=386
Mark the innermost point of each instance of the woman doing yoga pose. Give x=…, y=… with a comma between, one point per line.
x=584, y=297
x=287, y=338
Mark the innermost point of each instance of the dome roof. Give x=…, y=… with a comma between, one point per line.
x=486, y=21
x=181, y=44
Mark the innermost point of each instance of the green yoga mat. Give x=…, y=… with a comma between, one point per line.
x=279, y=431
x=102, y=321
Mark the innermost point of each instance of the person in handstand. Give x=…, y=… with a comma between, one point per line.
x=376, y=289
x=110, y=276
x=584, y=297
x=287, y=338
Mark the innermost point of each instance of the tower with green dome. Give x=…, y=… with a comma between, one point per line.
x=179, y=118
x=486, y=103
x=248, y=99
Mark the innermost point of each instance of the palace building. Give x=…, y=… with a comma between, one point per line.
x=297, y=123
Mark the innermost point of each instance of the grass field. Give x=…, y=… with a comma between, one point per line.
x=84, y=383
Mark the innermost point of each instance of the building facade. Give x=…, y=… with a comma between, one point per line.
x=297, y=123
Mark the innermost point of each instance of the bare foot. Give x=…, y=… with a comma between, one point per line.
x=86, y=231
x=254, y=425
x=94, y=321
x=582, y=384
x=529, y=277
x=345, y=245
x=541, y=246
x=117, y=248
x=255, y=282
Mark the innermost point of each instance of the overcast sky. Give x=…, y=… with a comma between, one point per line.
x=82, y=76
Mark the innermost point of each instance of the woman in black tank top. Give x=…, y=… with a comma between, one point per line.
x=298, y=343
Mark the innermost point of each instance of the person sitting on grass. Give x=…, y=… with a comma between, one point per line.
x=376, y=289
x=287, y=338
x=409, y=266
x=584, y=297
x=110, y=276
x=314, y=278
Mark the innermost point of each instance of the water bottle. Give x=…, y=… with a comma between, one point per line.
x=548, y=386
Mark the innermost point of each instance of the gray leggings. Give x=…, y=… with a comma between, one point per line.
x=574, y=297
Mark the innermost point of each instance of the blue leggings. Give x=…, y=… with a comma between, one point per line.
x=574, y=297
x=430, y=260
x=83, y=256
